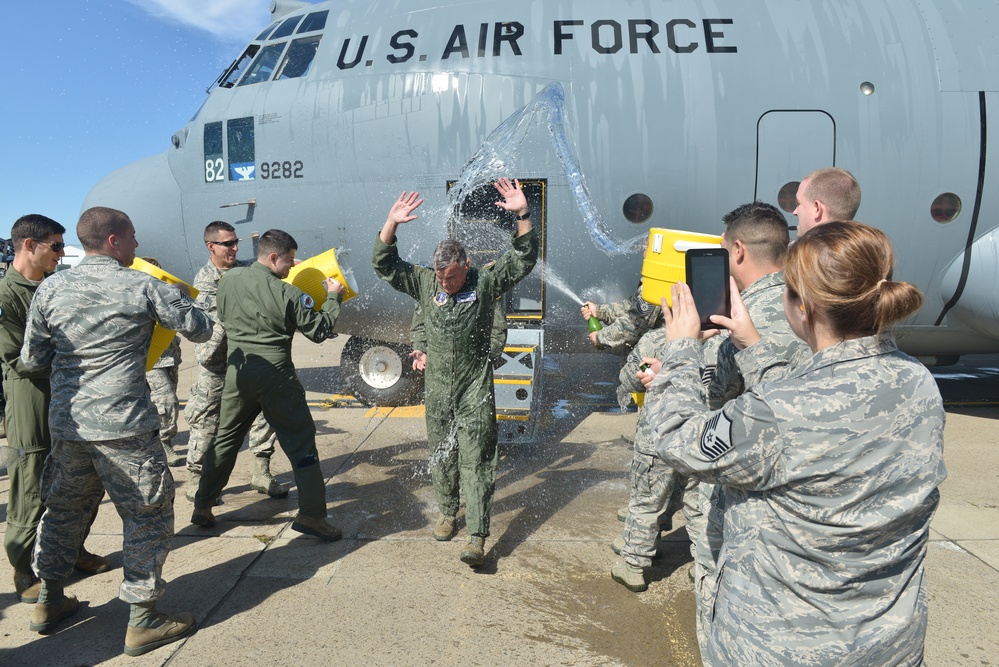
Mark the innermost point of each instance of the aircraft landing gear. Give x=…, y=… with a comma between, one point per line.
x=380, y=373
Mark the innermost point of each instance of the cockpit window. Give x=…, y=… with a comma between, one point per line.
x=263, y=67
x=286, y=28
x=314, y=21
x=236, y=69
x=298, y=60
x=262, y=36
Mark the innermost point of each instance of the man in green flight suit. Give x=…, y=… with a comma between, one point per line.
x=38, y=247
x=261, y=313
x=457, y=304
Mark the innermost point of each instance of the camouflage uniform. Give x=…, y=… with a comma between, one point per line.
x=655, y=487
x=92, y=325
x=162, y=381
x=764, y=300
x=625, y=323
x=205, y=402
x=830, y=478
x=460, y=403
x=261, y=314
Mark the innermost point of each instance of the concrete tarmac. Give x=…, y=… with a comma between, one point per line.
x=388, y=594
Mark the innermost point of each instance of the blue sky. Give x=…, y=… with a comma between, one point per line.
x=95, y=84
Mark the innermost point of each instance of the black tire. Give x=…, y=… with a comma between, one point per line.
x=380, y=373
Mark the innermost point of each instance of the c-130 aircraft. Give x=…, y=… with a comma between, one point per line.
x=616, y=117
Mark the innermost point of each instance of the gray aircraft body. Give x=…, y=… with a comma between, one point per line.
x=617, y=117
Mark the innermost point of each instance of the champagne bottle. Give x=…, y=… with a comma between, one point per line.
x=594, y=324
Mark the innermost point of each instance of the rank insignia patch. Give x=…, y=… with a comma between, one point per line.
x=716, y=439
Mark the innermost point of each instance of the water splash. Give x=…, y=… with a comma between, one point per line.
x=553, y=279
x=497, y=157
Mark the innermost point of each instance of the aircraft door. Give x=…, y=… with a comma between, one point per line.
x=484, y=229
x=789, y=145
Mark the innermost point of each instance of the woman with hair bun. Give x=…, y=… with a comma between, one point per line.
x=830, y=465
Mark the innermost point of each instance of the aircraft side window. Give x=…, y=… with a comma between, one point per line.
x=236, y=69
x=945, y=207
x=214, y=167
x=299, y=58
x=286, y=28
x=314, y=21
x=637, y=208
x=242, y=149
x=787, y=197
x=264, y=64
x=262, y=36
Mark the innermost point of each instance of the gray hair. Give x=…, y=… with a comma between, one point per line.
x=447, y=253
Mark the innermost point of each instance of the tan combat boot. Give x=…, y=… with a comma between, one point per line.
x=474, y=553
x=316, y=527
x=174, y=460
x=45, y=616
x=163, y=630
x=89, y=563
x=444, y=529
x=263, y=481
x=27, y=586
x=630, y=576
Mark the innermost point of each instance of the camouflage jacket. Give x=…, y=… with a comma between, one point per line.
x=764, y=300
x=92, y=325
x=830, y=476
x=627, y=321
x=213, y=353
x=171, y=355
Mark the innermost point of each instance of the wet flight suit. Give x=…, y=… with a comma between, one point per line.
x=261, y=313
x=459, y=378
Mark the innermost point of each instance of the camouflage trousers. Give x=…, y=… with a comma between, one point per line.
x=465, y=451
x=163, y=393
x=134, y=472
x=655, y=488
x=202, y=413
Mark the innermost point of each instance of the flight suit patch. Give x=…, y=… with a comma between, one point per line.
x=307, y=301
x=440, y=298
x=716, y=439
x=465, y=297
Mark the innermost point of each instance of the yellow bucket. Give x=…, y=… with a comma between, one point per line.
x=665, y=257
x=309, y=275
x=638, y=397
x=162, y=337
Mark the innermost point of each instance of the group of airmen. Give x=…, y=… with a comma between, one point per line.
x=804, y=448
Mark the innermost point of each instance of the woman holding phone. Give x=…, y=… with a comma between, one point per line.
x=830, y=465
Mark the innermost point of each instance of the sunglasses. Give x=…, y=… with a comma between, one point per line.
x=55, y=246
x=227, y=244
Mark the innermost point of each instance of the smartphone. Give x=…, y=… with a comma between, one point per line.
x=707, y=276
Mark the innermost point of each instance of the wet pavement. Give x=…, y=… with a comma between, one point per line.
x=388, y=594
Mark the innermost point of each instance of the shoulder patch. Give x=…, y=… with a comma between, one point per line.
x=440, y=298
x=716, y=439
x=643, y=306
x=307, y=301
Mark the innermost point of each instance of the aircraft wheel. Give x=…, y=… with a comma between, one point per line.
x=380, y=373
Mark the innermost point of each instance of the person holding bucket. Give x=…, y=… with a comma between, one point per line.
x=261, y=313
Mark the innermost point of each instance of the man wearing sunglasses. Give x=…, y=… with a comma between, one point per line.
x=38, y=245
x=205, y=403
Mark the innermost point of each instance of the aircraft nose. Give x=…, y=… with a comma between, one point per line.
x=148, y=193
